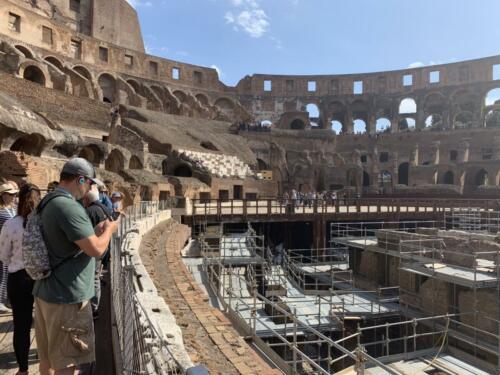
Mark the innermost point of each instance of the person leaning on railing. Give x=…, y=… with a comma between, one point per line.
x=63, y=316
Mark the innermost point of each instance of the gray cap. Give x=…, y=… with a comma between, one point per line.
x=80, y=167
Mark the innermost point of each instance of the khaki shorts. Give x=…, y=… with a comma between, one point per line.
x=64, y=334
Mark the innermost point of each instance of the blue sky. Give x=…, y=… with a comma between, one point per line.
x=243, y=37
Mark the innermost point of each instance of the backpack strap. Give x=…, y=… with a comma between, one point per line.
x=45, y=201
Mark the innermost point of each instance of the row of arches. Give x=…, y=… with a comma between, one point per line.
x=462, y=109
x=470, y=179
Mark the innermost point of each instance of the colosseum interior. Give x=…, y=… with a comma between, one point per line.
x=397, y=272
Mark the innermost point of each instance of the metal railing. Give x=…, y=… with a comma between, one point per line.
x=142, y=346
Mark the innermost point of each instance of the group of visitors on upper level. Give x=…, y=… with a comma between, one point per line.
x=253, y=127
x=75, y=222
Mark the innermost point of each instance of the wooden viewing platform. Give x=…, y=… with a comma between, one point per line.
x=272, y=209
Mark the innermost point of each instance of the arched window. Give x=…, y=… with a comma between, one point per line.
x=135, y=85
x=25, y=51
x=34, y=74
x=463, y=120
x=297, y=124
x=135, y=163
x=492, y=97
x=407, y=106
x=434, y=122
x=183, y=170
x=83, y=72
x=115, y=162
x=336, y=127
x=31, y=144
x=54, y=61
x=359, y=126
x=407, y=124
x=313, y=111
x=92, y=153
x=383, y=125
x=108, y=86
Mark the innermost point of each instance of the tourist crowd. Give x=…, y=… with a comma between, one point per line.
x=76, y=219
x=308, y=199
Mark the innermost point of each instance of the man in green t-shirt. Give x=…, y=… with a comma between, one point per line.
x=63, y=316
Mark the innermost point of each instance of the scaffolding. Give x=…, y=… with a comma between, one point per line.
x=455, y=267
x=308, y=314
x=473, y=220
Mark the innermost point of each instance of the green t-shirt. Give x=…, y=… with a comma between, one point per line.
x=64, y=222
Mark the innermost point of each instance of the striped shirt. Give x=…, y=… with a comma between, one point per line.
x=6, y=214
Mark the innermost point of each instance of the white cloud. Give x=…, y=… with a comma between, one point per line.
x=416, y=64
x=140, y=3
x=219, y=71
x=251, y=18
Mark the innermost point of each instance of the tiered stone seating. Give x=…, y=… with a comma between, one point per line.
x=220, y=165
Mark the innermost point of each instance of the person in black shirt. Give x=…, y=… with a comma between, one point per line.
x=98, y=213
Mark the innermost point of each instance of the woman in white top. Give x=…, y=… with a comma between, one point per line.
x=19, y=284
x=8, y=192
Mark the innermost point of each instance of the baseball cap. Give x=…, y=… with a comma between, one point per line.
x=80, y=167
x=116, y=194
x=8, y=188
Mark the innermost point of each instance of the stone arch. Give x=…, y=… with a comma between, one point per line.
x=360, y=110
x=92, y=153
x=297, y=124
x=492, y=118
x=435, y=102
x=337, y=114
x=25, y=51
x=366, y=179
x=465, y=100
x=83, y=71
x=360, y=126
x=203, y=99
x=135, y=163
x=481, y=178
x=463, y=120
x=407, y=123
x=448, y=178
x=107, y=83
x=492, y=97
x=434, y=122
x=314, y=114
x=181, y=95
x=385, y=179
x=407, y=106
x=337, y=126
x=266, y=124
x=54, y=61
x=34, y=74
x=135, y=85
x=383, y=125
x=31, y=144
x=183, y=170
x=115, y=161
x=403, y=173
